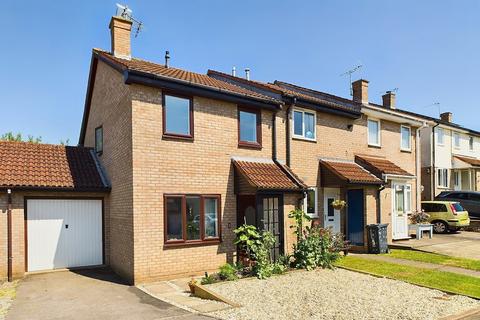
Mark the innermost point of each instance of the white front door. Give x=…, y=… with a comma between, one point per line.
x=402, y=204
x=63, y=233
x=331, y=216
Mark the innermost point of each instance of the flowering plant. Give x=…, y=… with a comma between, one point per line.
x=419, y=217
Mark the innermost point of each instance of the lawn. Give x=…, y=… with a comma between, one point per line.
x=435, y=258
x=447, y=281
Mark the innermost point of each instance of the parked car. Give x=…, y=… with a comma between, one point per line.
x=470, y=200
x=446, y=215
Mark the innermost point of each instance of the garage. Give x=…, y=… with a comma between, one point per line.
x=63, y=233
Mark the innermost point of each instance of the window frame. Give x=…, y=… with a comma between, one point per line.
x=166, y=134
x=379, y=135
x=409, y=138
x=202, y=240
x=454, y=140
x=99, y=152
x=303, y=111
x=437, y=131
x=445, y=177
x=250, y=144
x=305, y=203
x=471, y=143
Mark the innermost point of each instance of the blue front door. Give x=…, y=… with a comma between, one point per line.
x=355, y=216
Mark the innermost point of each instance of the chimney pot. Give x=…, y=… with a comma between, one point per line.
x=389, y=100
x=446, y=116
x=360, y=91
x=234, y=71
x=120, y=30
x=247, y=73
x=167, y=58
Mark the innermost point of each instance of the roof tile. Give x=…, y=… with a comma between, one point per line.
x=350, y=172
x=381, y=166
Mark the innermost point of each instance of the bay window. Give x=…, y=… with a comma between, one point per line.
x=192, y=218
x=304, y=124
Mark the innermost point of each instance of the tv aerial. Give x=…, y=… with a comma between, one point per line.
x=126, y=13
x=349, y=74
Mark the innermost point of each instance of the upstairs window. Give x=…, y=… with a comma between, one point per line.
x=304, y=124
x=373, y=132
x=406, y=138
x=177, y=116
x=440, y=136
x=99, y=140
x=456, y=140
x=249, y=128
x=470, y=143
x=442, y=178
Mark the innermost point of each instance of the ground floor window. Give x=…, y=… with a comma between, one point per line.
x=310, y=203
x=442, y=178
x=192, y=218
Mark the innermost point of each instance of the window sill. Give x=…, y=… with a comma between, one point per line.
x=304, y=139
x=250, y=145
x=198, y=243
x=376, y=146
x=169, y=136
x=406, y=150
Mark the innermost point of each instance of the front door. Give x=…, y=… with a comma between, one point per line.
x=331, y=216
x=270, y=218
x=402, y=202
x=355, y=216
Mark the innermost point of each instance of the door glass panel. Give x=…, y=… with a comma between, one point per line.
x=331, y=211
x=399, y=198
x=250, y=216
x=193, y=218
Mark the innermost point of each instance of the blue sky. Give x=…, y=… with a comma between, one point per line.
x=429, y=50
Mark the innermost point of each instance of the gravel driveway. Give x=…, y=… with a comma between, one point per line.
x=338, y=294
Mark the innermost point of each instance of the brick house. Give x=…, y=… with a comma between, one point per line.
x=180, y=159
x=450, y=157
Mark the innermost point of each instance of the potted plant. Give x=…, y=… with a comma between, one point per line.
x=192, y=283
x=419, y=217
x=339, y=204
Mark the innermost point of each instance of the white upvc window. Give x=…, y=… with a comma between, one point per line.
x=456, y=140
x=310, y=203
x=374, y=132
x=406, y=138
x=470, y=143
x=442, y=178
x=304, y=123
x=440, y=136
x=403, y=198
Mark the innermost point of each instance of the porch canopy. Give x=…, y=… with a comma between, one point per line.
x=265, y=175
x=382, y=168
x=461, y=162
x=337, y=173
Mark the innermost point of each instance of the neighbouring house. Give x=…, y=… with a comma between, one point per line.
x=450, y=157
x=354, y=150
x=54, y=208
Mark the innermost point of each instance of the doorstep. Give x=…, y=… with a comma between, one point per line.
x=177, y=293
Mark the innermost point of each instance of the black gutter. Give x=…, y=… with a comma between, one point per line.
x=133, y=76
x=287, y=133
x=274, y=136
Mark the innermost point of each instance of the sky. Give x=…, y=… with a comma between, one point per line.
x=429, y=50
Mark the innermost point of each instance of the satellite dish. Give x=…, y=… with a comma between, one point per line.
x=124, y=11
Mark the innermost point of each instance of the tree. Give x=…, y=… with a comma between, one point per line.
x=10, y=136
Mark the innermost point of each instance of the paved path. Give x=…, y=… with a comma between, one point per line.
x=419, y=264
x=93, y=294
x=461, y=244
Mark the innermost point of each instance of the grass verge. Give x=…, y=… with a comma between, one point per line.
x=441, y=280
x=435, y=258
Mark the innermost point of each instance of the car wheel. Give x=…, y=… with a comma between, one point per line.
x=440, y=227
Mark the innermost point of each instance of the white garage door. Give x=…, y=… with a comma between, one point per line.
x=63, y=233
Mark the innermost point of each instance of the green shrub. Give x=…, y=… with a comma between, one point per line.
x=247, y=238
x=209, y=279
x=278, y=268
x=228, y=272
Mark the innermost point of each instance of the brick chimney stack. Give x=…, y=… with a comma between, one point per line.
x=446, y=116
x=389, y=100
x=120, y=29
x=360, y=91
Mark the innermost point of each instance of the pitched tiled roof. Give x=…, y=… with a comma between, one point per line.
x=32, y=165
x=380, y=166
x=331, y=101
x=470, y=161
x=350, y=172
x=189, y=77
x=268, y=175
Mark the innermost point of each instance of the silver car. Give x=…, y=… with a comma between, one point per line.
x=470, y=200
